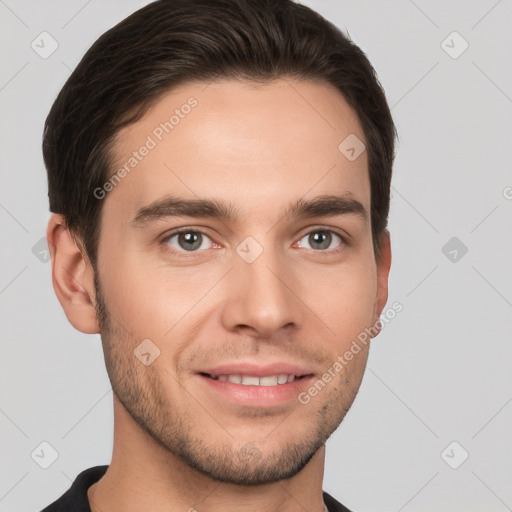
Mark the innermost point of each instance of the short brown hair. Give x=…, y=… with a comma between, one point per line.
x=172, y=42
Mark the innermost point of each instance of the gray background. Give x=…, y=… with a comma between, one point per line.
x=438, y=373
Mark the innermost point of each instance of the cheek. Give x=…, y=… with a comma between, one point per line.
x=344, y=299
x=150, y=299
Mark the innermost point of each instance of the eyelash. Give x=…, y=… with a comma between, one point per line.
x=188, y=254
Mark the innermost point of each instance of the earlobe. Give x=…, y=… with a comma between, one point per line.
x=72, y=277
x=383, y=267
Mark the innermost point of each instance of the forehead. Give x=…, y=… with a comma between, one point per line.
x=260, y=145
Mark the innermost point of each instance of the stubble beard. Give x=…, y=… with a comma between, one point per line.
x=141, y=392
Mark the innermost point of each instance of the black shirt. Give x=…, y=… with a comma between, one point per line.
x=75, y=498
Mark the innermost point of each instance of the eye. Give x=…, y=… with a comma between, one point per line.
x=188, y=240
x=321, y=240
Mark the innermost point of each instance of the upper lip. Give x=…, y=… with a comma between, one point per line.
x=257, y=370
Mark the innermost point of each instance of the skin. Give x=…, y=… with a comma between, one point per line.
x=177, y=444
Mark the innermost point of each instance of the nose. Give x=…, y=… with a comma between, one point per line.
x=261, y=299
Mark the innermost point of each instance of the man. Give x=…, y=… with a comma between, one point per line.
x=219, y=173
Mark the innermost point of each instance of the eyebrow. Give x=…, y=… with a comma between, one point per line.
x=172, y=206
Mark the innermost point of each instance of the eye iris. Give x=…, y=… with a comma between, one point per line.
x=190, y=240
x=323, y=238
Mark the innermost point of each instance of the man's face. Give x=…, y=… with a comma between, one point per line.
x=257, y=287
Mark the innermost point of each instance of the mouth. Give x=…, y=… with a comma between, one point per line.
x=254, y=380
x=267, y=390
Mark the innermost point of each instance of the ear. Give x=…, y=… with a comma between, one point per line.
x=383, y=266
x=72, y=277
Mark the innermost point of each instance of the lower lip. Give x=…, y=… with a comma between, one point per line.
x=258, y=396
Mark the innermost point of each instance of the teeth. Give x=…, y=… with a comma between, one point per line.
x=282, y=379
x=249, y=380
x=268, y=381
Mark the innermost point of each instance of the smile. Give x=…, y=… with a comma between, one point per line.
x=251, y=380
